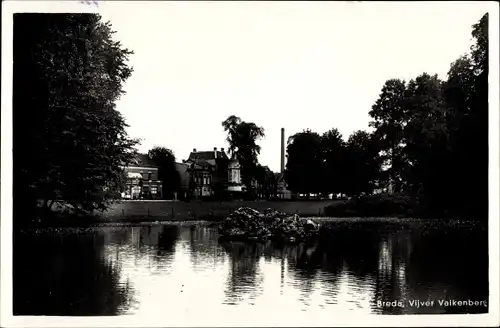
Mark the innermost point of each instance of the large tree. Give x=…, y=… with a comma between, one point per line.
x=167, y=172
x=334, y=157
x=388, y=114
x=69, y=141
x=242, y=138
x=362, y=167
x=426, y=139
x=304, y=167
x=466, y=93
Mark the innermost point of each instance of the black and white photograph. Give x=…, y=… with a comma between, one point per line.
x=249, y=163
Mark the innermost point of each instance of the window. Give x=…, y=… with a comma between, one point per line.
x=149, y=175
x=154, y=190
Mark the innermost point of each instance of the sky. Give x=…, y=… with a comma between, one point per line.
x=292, y=65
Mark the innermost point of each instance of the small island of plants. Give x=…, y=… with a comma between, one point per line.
x=247, y=223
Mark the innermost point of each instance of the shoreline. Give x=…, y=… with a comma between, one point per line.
x=146, y=212
x=351, y=223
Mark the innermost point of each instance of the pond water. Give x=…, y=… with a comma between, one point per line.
x=178, y=268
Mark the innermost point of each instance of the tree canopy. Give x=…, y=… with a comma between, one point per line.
x=303, y=171
x=167, y=172
x=429, y=142
x=242, y=138
x=69, y=141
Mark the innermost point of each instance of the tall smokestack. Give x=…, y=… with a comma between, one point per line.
x=282, y=150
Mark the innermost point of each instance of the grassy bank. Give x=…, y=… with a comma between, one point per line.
x=188, y=211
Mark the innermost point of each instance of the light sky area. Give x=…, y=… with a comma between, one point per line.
x=294, y=65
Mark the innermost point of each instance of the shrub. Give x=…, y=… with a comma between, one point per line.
x=374, y=205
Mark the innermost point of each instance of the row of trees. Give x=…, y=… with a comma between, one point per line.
x=429, y=141
x=326, y=164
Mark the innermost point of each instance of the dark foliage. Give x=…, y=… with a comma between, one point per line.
x=382, y=205
x=242, y=138
x=69, y=141
x=430, y=143
x=167, y=172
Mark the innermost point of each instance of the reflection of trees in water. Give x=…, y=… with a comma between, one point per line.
x=116, y=235
x=157, y=244
x=450, y=264
x=355, y=251
x=394, y=265
x=394, y=250
x=244, y=276
x=154, y=244
x=303, y=265
x=352, y=251
x=300, y=261
x=307, y=264
x=432, y=265
x=203, y=245
x=65, y=274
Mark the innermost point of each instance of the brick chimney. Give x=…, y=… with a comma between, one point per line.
x=194, y=150
x=282, y=150
x=215, y=152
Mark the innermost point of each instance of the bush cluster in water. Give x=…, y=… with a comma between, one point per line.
x=251, y=224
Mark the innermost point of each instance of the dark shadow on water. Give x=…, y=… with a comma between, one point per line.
x=65, y=274
x=66, y=271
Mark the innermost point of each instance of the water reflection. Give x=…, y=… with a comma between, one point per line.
x=63, y=275
x=172, y=268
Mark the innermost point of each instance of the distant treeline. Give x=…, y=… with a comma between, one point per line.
x=429, y=144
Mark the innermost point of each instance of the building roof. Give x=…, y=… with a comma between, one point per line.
x=207, y=155
x=143, y=160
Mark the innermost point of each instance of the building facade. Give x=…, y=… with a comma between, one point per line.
x=210, y=172
x=142, y=179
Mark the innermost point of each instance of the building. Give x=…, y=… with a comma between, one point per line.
x=142, y=179
x=209, y=172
